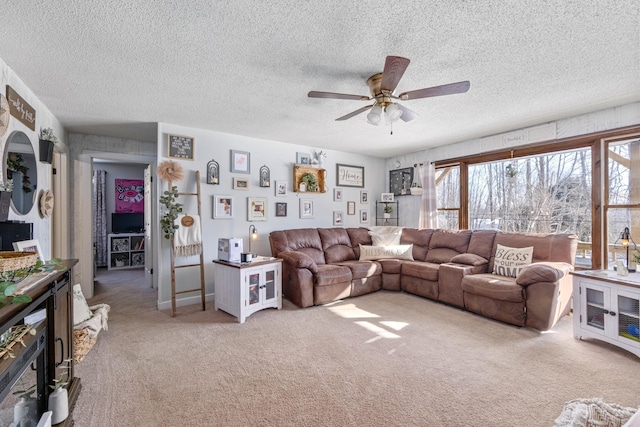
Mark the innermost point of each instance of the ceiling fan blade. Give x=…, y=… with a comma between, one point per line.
x=407, y=114
x=394, y=68
x=316, y=94
x=449, y=89
x=354, y=113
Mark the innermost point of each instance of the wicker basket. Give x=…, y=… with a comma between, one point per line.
x=10, y=261
x=82, y=343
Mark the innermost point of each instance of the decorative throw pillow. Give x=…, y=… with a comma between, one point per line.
x=381, y=252
x=81, y=312
x=509, y=261
x=384, y=239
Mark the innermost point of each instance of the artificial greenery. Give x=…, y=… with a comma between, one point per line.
x=25, y=392
x=15, y=164
x=310, y=181
x=9, y=281
x=7, y=186
x=172, y=209
x=48, y=135
x=64, y=380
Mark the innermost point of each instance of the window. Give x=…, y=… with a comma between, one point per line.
x=448, y=194
x=544, y=194
x=623, y=199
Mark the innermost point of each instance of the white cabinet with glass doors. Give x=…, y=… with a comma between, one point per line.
x=243, y=289
x=607, y=307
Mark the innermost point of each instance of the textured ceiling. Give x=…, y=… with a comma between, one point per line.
x=114, y=67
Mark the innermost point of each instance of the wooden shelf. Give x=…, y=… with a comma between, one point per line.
x=300, y=171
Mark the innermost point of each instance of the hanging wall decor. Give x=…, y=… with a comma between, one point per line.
x=265, y=177
x=213, y=172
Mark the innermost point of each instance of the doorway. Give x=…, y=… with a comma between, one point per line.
x=122, y=196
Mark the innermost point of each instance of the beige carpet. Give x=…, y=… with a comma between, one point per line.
x=385, y=359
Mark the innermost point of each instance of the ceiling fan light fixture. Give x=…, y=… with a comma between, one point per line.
x=392, y=112
x=375, y=115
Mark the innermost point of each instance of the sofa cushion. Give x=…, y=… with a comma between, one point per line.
x=501, y=288
x=481, y=243
x=358, y=236
x=469, y=259
x=382, y=252
x=386, y=239
x=305, y=240
x=419, y=239
x=391, y=266
x=362, y=269
x=420, y=269
x=445, y=244
x=331, y=274
x=509, y=261
x=556, y=247
x=336, y=245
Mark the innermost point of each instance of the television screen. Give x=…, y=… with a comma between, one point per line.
x=127, y=222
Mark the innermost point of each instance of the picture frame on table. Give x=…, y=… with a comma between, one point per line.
x=257, y=209
x=351, y=208
x=29, y=246
x=387, y=197
x=281, y=209
x=240, y=161
x=281, y=188
x=222, y=207
x=303, y=158
x=240, y=183
x=307, y=209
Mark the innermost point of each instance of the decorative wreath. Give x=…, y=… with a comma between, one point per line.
x=170, y=171
x=310, y=180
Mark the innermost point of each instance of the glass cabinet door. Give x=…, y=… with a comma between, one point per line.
x=270, y=284
x=628, y=316
x=594, y=302
x=254, y=288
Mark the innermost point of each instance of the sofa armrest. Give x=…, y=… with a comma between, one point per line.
x=549, y=272
x=548, y=289
x=299, y=260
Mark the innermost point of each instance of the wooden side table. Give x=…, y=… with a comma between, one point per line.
x=241, y=289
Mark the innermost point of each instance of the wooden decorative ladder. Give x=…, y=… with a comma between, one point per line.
x=173, y=257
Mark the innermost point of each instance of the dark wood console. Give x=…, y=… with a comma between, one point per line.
x=52, y=345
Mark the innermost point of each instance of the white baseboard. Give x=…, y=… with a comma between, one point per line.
x=182, y=302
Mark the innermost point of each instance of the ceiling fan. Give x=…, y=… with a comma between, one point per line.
x=382, y=85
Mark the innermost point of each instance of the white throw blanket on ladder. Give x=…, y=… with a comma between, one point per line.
x=187, y=241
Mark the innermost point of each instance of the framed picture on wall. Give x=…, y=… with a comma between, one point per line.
x=337, y=194
x=281, y=188
x=240, y=161
x=306, y=208
x=222, y=207
x=281, y=209
x=364, y=197
x=337, y=218
x=256, y=208
x=240, y=183
x=351, y=208
x=364, y=216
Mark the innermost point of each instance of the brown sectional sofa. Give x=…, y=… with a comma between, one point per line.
x=452, y=266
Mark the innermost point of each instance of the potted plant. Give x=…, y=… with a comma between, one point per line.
x=387, y=210
x=59, y=399
x=416, y=189
x=5, y=199
x=47, y=141
x=25, y=410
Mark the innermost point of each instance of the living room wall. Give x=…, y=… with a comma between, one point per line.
x=280, y=158
x=42, y=227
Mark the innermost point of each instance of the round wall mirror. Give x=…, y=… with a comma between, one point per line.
x=21, y=167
